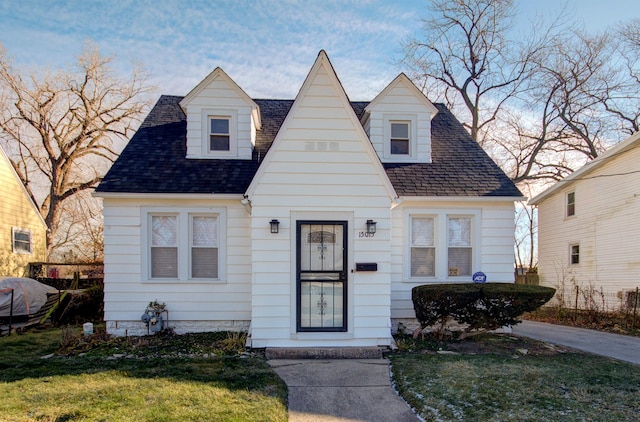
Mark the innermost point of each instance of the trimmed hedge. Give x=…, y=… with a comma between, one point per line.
x=483, y=307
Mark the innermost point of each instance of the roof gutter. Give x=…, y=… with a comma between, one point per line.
x=463, y=198
x=130, y=195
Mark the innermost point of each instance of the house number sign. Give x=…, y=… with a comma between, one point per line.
x=365, y=234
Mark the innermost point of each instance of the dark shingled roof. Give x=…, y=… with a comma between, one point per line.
x=154, y=159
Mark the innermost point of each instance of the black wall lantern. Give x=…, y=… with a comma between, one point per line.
x=371, y=226
x=275, y=226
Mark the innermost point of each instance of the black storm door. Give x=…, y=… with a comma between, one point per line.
x=321, y=275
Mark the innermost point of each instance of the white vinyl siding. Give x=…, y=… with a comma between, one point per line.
x=492, y=245
x=399, y=103
x=605, y=227
x=128, y=289
x=320, y=167
x=220, y=98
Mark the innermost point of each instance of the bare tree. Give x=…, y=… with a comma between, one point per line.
x=583, y=98
x=61, y=127
x=465, y=56
x=80, y=232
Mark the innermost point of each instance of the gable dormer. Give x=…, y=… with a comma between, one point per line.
x=221, y=119
x=398, y=122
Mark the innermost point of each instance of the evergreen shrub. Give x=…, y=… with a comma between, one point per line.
x=479, y=306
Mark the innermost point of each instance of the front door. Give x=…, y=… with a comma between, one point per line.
x=321, y=275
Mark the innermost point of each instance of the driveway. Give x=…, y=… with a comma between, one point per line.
x=625, y=348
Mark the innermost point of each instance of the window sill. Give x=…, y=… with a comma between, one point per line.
x=184, y=281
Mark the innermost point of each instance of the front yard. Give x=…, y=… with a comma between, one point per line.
x=57, y=375
x=506, y=378
x=165, y=378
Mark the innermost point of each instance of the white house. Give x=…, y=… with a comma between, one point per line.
x=589, y=229
x=306, y=222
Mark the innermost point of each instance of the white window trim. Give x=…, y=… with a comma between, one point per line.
x=473, y=241
x=571, y=263
x=566, y=204
x=412, y=119
x=441, y=217
x=16, y=230
x=230, y=114
x=436, y=236
x=184, y=243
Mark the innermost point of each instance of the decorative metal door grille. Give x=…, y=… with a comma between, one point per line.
x=321, y=276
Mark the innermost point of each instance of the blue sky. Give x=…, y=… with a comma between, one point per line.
x=267, y=47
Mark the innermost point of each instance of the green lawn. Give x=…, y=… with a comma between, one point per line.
x=165, y=378
x=57, y=375
x=503, y=378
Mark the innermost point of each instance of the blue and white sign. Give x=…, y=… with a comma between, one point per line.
x=479, y=277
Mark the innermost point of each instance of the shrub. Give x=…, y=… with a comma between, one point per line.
x=482, y=307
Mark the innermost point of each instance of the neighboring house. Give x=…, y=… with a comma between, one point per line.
x=306, y=222
x=22, y=229
x=588, y=230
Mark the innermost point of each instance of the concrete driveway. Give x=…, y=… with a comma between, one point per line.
x=625, y=348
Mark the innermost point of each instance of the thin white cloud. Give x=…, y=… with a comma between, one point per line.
x=266, y=46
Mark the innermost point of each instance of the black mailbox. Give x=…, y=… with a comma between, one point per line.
x=366, y=266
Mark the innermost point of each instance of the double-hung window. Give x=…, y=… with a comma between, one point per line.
x=21, y=240
x=423, y=247
x=400, y=142
x=184, y=245
x=399, y=137
x=440, y=245
x=204, y=246
x=219, y=133
x=571, y=204
x=574, y=254
x=460, y=251
x=164, y=246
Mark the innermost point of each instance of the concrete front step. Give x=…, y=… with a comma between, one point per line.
x=324, y=352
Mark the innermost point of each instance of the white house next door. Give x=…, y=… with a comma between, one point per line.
x=321, y=280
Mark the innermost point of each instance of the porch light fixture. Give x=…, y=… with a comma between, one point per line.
x=371, y=226
x=275, y=226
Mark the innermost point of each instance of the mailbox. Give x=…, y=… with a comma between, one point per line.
x=366, y=266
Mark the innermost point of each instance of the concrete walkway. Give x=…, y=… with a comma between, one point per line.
x=625, y=348
x=341, y=390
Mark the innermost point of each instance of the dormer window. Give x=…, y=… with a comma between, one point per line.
x=400, y=139
x=219, y=133
x=219, y=137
